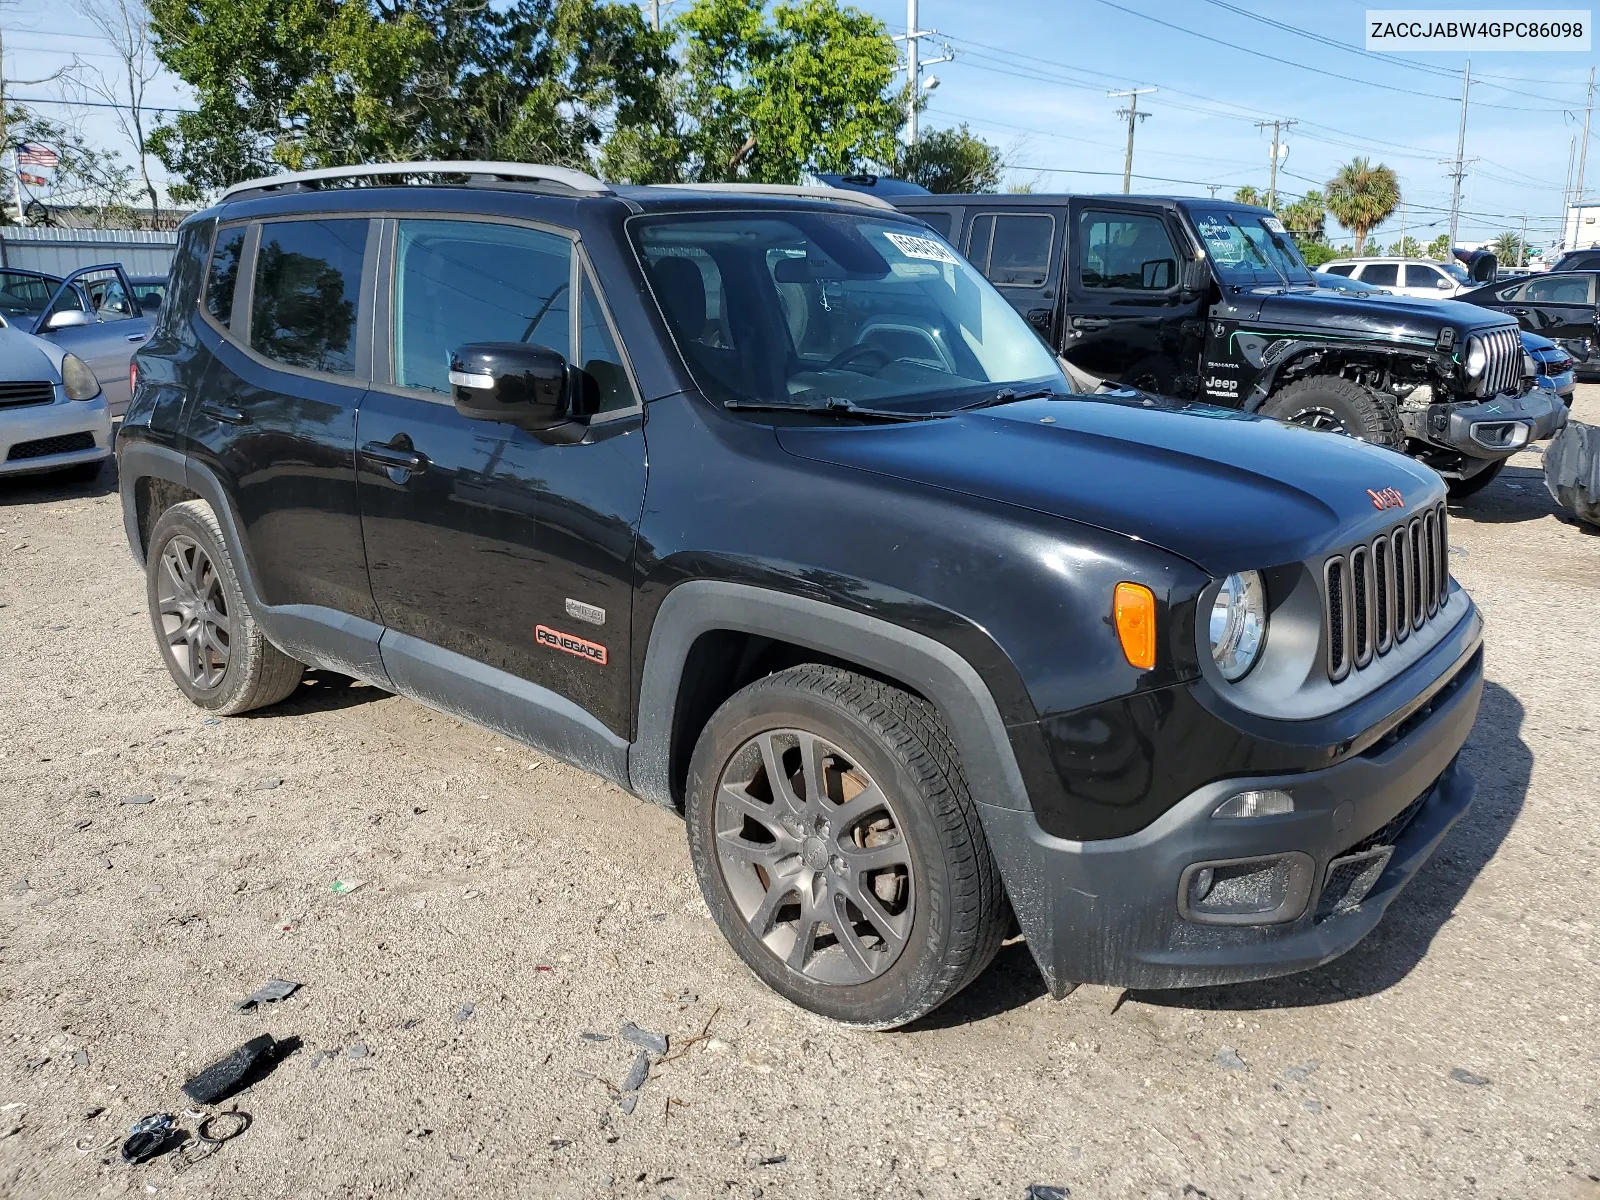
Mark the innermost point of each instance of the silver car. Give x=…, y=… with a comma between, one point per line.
x=97, y=313
x=53, y=411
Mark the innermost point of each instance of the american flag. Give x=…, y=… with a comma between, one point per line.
x=31, y=154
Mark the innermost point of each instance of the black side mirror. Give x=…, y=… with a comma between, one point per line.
x=516, y=382
x=1196, y=277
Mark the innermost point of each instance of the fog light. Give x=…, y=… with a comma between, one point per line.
x=1246, y=891
x=1268, y=803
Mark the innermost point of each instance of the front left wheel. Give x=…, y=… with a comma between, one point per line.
x=210, y=643
x=838, y=848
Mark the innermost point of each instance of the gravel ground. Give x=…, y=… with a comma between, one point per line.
x=457, y=1024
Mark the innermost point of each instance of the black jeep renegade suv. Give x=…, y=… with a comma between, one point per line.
x=769, y=508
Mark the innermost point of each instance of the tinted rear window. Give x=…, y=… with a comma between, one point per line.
x=1381, y=274
x=303, y=309
x=223, y=274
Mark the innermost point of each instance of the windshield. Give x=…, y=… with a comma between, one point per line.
x=1249, y=249
x=802, y=307
x=1456, y=271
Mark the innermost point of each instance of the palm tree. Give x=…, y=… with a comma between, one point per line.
x=1362, y=196
x=1305, y=216
x=1508, y=249
x=1247, y=195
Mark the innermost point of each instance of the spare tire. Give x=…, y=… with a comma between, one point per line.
x=1337, y=405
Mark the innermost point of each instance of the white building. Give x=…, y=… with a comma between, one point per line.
x=1582, y=229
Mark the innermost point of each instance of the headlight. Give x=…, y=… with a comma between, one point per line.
x=1477, y=358
x=78, y=379
x=1238, y=624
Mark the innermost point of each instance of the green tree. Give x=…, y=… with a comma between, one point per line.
x=951, y=160
x=1247, y=195
x=1361, y=196
x=1305, y=216
x=1509, y=249
x=1316, y=253
x=308, y=83
x=770, y=96
x=1439, y=248
x=1406, y=247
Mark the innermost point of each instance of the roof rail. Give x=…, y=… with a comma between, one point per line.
x=804, y=192
x=578, y=181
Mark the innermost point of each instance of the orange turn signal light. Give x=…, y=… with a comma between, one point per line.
x=1134, y=606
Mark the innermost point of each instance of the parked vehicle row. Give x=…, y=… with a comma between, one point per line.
x=913, y=636
x=98, y=313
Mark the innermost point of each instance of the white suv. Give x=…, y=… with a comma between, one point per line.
x=1405, y=276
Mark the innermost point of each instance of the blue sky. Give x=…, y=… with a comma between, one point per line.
x=1031, y=76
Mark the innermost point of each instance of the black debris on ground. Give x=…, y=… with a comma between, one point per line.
x=656, y=1042
x=639, y=1073
x=1461, y=1075
x=269, y=993
x=244, y=1066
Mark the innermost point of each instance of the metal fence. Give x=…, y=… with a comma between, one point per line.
x=62, y=251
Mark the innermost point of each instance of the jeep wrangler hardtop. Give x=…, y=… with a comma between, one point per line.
x=1208, y=299
x=768, y=508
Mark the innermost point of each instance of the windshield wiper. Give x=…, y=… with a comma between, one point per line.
x=828, y=404
x=1009, y=395
x=1263, y=259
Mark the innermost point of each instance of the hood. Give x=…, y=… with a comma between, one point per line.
x=1225, y=490
x=25, y=357
x=1389, y=317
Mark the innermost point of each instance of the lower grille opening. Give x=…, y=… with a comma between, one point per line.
x=45, y=447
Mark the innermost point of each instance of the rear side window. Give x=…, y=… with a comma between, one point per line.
x=223, y=274
x=303, y=308
x=1012, y=249
x=939, y=222
x=1127, y=251
x=1381, y=274
x=1339, y=269
x=1558, y=289
x=467, y=281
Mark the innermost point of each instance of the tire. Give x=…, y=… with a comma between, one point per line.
x=210, y=643
x=1460, y=489
x=920, y=877
x=1339, y=406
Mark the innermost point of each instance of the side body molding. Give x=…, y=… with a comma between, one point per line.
x=938, y=672
x=318, y=636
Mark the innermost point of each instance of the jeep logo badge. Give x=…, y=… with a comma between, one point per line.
x=1388, y=498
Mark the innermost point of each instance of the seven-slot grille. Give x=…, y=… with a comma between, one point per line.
x=1376, y=594
x=1504, y=370
x=16, y=393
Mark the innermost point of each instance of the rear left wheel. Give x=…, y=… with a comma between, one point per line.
x=210, y=643
x=838, y=848
x=1460, y=489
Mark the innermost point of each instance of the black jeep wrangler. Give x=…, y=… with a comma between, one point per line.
x=769, y=508
x=1208, y=299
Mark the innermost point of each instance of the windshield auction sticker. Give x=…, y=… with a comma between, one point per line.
x=921, y=247
x=1409, y=30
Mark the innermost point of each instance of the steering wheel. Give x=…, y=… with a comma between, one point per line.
x=860, y=350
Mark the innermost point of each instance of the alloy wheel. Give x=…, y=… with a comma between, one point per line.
x=194, y=612
x=1312, y=417
x=814, y=856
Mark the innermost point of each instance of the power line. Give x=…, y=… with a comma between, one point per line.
x=1194, y=33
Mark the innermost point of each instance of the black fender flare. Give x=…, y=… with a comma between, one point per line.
x=934, y=670
x=316, y=636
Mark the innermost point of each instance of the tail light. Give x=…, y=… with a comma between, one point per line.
x=133, y=376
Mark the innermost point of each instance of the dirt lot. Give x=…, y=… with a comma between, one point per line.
x=512, y=905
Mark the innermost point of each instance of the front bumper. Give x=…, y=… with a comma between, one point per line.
x=68, y=432
x=1108, y=911
x=1499, y=427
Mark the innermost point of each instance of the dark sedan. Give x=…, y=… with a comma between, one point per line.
x=1556, y=305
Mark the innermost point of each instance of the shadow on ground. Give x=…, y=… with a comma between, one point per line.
x=321, y=691
x=53, y=487
x=1503, y=765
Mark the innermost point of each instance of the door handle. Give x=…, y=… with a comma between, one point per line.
x=1090, y=322
x=225, y=413
x=394, y=459
x=136, y=337
x=1517, y=312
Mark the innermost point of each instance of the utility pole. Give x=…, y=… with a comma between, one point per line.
x=1583, y=142
x=1522, y=251
x=1272, y=188
x=1212, y=187
x=1566, y=191
x=655, y=15
x=1134, y=117
x=914, y=65
x=1461, y=149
